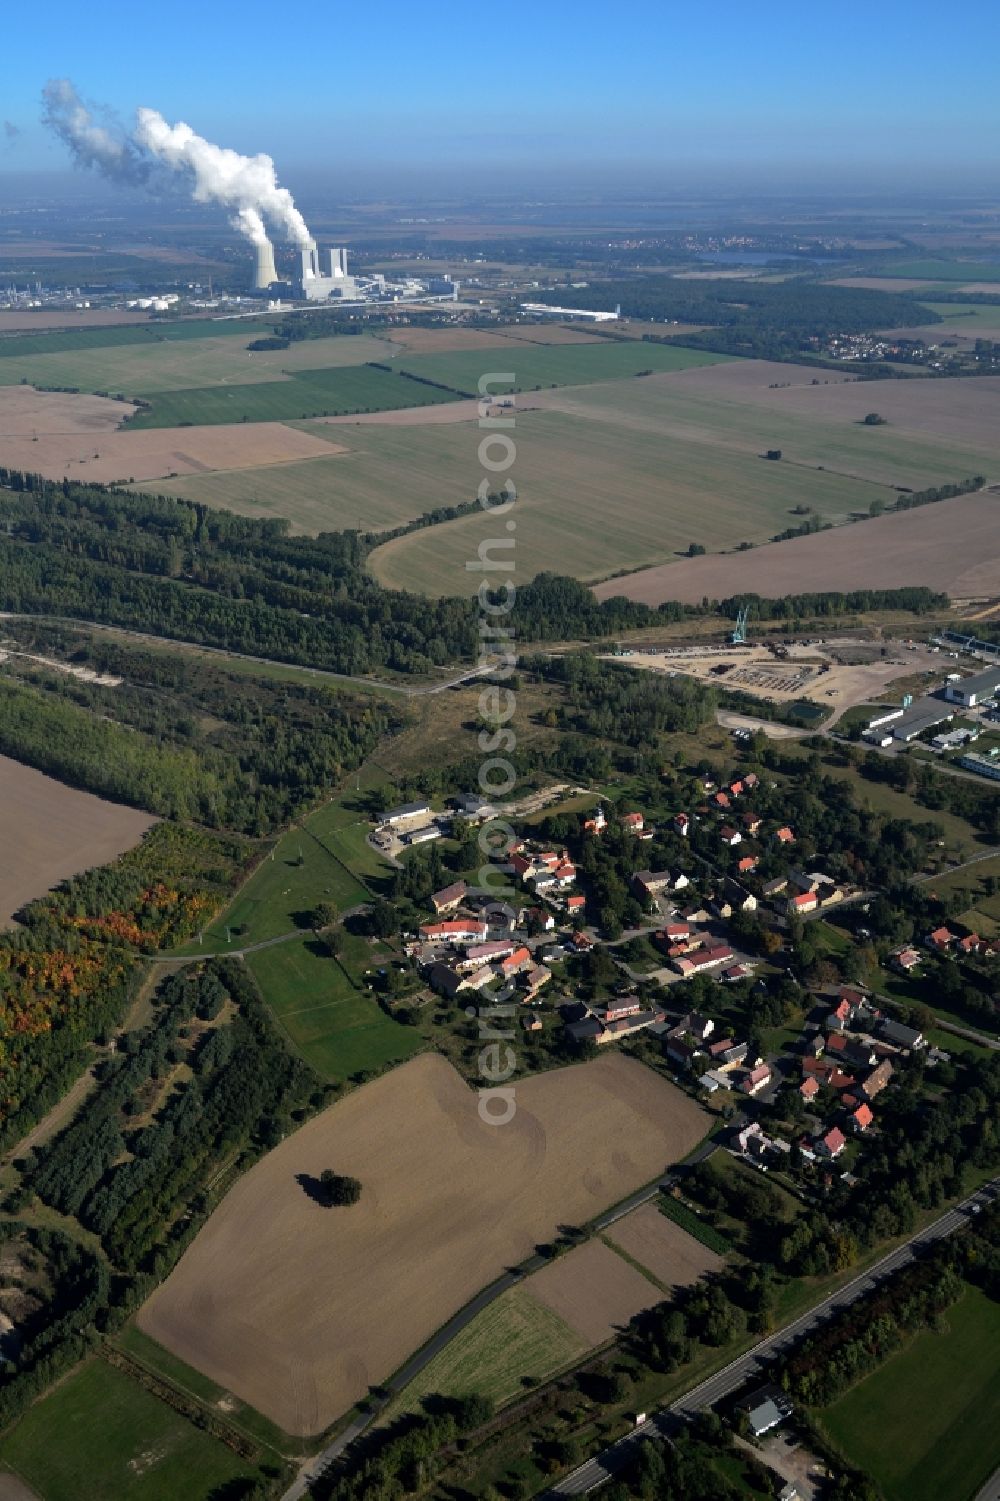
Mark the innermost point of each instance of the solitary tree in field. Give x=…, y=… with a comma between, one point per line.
x=875, y=419
x=339, y=1188
x=324, y=913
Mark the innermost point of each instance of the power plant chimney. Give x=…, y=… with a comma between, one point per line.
x=266, y=272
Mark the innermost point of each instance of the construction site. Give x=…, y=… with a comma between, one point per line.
x=834, y=673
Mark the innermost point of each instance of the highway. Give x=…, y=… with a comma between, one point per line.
x=603, y=1466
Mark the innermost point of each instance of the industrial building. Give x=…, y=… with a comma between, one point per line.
x=972, y=691
x=317, y=287
x=585, y=315
x=921, y=719
x=983, y=766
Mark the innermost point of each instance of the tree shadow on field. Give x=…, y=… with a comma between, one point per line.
x=313, y=1189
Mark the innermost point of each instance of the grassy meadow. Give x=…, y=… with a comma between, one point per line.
x=98, y=1434
x=339, y=1029
x=513, y=1340
x=926, y=1424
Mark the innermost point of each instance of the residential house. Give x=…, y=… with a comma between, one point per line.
x=449, y=898
x=680, y=1052
x=454, y=930
x=541, y=919
x=698, y=1027
x=901, y=1036
x=766, y=1408
x=876, y=1080
x=649, y=883
x=747, y=864
x=721, y=800
x=784, y=835
x=535, y=980
x=862, y=1117
x=735, y=789
x=756, y=1079
x=826, y=1071
x=633, y=823
x=726, y=1053
x=809, y=1089
x=970, y=944
x=735, y=972
x=565, y=873
x=941, y=939
x=532, y=1022
x=576, y=903
x=488, y=953
x=803, y=902
x=514, y=963
x=682, y=825
x=750, y=780
x=729, y=835
x=832, y=1143
x=597, y=823
x=700, y=959
x=751, y=822
x=775, y=887
x=446, y=981
x=581, y=942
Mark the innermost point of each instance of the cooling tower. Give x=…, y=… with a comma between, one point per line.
x=266, y=272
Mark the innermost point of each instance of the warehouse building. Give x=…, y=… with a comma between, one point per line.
x=972, y=691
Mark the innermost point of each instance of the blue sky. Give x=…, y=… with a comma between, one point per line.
x=892, y=87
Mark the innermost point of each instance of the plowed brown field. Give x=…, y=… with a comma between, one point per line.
x=298, y=1308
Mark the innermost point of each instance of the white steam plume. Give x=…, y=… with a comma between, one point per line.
x=93, y=145
x=248, y=184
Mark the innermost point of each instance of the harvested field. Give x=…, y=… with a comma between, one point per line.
x=80, y=443
x=953, y=546
x=25, y=413
x=890, y=283
x=52, y=831
x=594, y=1291
x=40, y=322
x=298, y=1308
x=675, y=1258
x=455, y=411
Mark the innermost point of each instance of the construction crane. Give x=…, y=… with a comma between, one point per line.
x=739, y=636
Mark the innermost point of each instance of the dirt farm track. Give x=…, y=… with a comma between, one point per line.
x=953, y=546
x=298, y=1308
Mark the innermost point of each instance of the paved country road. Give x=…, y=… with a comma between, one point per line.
x=604, y=1465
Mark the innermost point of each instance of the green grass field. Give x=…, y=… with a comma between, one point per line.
x=557, y=365
x=512, y=1339
x=967, y=318
x=339, y=1030
x=150, y=368
x=101, y=1436
x=597, y=495
x=926, y=1424
x=309, y=393
x=934, y=269
x=143, y=335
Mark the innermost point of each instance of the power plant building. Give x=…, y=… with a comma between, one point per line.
x=317, y=287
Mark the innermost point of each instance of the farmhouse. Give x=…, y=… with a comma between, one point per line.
x=454, y=930
x=901, y=1036
x=706, y=957
x=805, y=901
x=449, y=898
x=423, y=835
x=446, y=981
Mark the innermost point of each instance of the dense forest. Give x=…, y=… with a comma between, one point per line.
x=183, y=736
x=764, y=319
x=68, y=972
